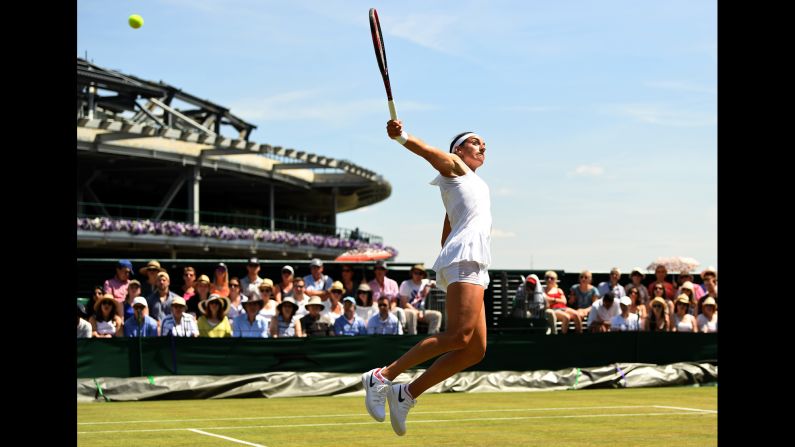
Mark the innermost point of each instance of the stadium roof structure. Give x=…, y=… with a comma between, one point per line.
x=131, y=129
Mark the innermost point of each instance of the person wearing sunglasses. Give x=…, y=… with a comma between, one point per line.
x=583, y=294
x=658, y=320
x=384, y=322
x=556, y=303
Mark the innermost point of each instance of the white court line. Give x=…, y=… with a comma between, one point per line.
x=361, y=414
x=225, y=437
x=337, y=424
x=683, y=408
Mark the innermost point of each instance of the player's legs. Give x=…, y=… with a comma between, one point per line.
x=465, y=318
x=454, y=361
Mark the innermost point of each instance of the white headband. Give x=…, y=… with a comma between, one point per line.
x=461, y=140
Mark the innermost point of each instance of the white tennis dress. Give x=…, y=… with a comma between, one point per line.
x=466, y=200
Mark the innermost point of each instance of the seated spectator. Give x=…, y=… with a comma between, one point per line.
x=384, y=322
x=333, y=309
x=189, y=286
x=365, y=307
x=160, y=300
x=708, y=321
x=349, y=284
x=636, y=307
x=83, y=326
x=658, y=320
x=530, y=301
x=710, y=286
x=710, y=278
x=684, y=277
x=179, y=323
x=265, y=290
x=582, y=295
x=381, y=285
x=658, y=291
x=202, y=293
x=317, y=283
x=133, y=292
x=612, y=285
x=413, y=300
x=556, y=304
x=660, y=272
x=602, y=312
x=688, y=290
x=285, y=286
x=300, y=298
x=251, y=324
x=106, y=323
x=220, y=285
x=151, y=269
x=96, y=295
x=349, y=323
x=286, y=322
x=214, y=322
x=117, y=286
x=236, y=298
x=140, y=324
x=252, y=274
x=626, y=321
x=637, y=275
x=313, y=324
x=683, y=321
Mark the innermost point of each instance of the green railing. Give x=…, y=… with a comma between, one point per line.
x=240, y=220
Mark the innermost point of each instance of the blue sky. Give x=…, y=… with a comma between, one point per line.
x=600, y=117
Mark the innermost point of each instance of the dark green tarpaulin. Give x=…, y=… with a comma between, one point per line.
x=164, y=356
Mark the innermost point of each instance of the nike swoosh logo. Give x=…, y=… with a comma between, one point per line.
x=400, y=394
x=371, y=380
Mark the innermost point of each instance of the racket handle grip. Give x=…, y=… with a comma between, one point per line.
x=392, y=111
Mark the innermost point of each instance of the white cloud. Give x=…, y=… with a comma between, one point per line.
x=588, y=170
x=427, y=30
x=502, y=234
x=664, y=115
x=302, y=105
x=682, y=86
x=504, y=191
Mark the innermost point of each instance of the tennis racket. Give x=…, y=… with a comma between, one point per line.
x=380, y=57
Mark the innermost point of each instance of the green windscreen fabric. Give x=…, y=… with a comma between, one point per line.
x=164, y=356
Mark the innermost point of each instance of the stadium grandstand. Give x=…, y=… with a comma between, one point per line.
x=157, y=177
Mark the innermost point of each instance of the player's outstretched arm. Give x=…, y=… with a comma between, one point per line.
x=441, y=161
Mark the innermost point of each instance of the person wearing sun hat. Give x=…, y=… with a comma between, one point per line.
x=214, y=323
x=106, y=322
x=286, y=323
x=708, y=320
x=150, y=270
x=140, y=325
x=683, y=321
x=658, y=319
x=313, y=324
x=179, y=323
x=251, y=324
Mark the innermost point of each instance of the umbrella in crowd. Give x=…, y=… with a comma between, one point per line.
x=675, y=264
x=368, y=254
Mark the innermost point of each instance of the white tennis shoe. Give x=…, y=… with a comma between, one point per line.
x=376, y=391
x=399, y=405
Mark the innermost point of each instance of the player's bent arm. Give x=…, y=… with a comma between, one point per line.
x=441, y=161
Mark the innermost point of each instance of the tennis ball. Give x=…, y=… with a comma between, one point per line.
x=136, y=21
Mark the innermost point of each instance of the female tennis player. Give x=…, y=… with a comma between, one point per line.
x=461, y=272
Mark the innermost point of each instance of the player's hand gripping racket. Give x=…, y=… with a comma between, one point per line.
x=380, y=56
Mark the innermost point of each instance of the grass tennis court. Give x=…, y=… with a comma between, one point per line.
x=681, y=416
